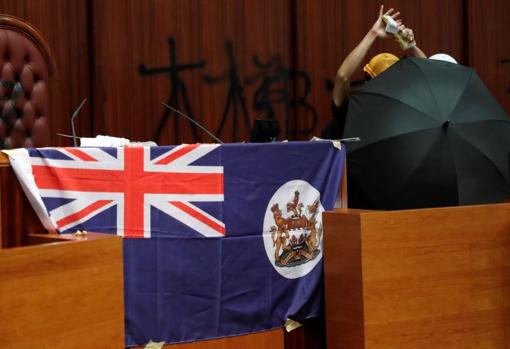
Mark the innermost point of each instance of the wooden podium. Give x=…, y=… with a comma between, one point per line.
x=430, y=278
x=62, y=292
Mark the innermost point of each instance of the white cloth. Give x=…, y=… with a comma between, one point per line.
x=103, y=141
x=22, y=167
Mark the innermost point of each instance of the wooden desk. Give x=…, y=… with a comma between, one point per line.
x=62, y=292
x=431, y=278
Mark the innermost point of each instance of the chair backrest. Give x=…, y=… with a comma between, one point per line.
x=25, y=68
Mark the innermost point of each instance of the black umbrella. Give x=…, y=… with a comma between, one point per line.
x=431, y=135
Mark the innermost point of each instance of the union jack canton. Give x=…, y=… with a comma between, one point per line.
x=118, y=190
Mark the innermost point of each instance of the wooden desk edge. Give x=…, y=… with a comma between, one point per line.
x=38, y=239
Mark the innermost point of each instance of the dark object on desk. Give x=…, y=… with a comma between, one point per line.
x=264, y=131
x=24, y=84
x=431, y=135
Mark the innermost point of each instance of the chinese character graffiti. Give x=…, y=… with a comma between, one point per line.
x=235, y=96
x=178, y=89
x=278, y=86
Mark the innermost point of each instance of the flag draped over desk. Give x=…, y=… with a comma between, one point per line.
x=219, y=240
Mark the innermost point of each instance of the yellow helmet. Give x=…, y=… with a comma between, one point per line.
x=380, y=63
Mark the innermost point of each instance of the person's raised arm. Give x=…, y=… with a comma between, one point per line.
x=353, y=61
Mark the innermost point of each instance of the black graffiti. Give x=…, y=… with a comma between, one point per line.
x=178, y=90
x=275, y=84
x=235, y=98
x=278, y=85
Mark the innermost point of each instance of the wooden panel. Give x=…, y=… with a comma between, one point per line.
x=311, y=37
x=62, y=295
x=128, y=99
x=489, y=45
x=434, y=278
x=264, y=340
x=343, y=281
x=64, y=26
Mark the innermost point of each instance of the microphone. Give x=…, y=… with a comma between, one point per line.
x=75, y=114
x=194, y=122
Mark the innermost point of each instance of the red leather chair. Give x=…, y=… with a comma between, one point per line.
x=25, y=68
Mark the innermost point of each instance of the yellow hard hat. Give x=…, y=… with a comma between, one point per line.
x=380, y=63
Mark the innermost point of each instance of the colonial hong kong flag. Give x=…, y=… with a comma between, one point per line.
x=223, y=239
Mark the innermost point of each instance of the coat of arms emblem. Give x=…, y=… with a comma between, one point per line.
x=293, y=227
x=296, y=237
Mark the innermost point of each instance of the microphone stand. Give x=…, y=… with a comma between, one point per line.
x=194, y=122
x=75, y=114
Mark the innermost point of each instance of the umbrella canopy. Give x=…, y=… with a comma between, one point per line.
x=431, y=135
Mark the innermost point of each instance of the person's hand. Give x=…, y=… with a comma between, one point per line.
x=379, y=26
x=407, y=33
